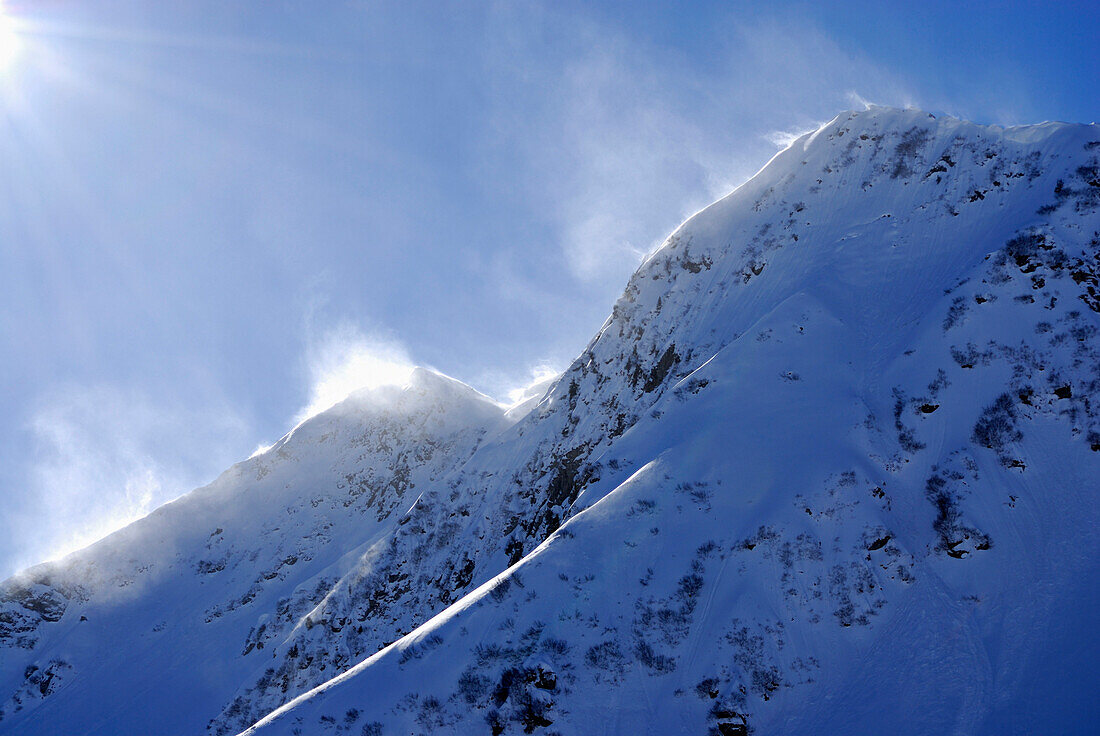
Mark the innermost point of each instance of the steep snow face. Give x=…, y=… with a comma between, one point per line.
x=151, y=629
x=830, y=465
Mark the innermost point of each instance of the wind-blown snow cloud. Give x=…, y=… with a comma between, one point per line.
x=628, y=141
x=783, y=138
x=540, y=377
x=344, y=360
x=104, y=456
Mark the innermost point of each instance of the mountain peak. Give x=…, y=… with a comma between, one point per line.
x=429, y=380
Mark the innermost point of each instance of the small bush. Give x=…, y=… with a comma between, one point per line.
x=996, y=427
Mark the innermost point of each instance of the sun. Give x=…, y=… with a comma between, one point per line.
x=10, y=41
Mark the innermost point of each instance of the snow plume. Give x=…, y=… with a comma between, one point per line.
x=858, y=101
x=541, y=376
x=510, y=388
x=344, y=360
x=104, y=457
x=783, y=138
x=624, y=142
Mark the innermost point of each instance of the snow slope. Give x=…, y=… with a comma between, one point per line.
x=153, y=628
x=830, y=466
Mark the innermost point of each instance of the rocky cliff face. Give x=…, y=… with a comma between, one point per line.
x=830, y=464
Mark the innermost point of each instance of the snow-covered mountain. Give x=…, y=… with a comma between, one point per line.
x=831, y=466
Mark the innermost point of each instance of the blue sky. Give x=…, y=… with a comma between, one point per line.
x=216, y=215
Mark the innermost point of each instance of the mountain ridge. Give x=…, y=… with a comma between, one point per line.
x=768, y=345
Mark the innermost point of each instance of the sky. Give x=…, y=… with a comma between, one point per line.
x=217, y=218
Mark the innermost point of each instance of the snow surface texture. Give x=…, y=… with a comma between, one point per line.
x=830, y=466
